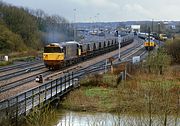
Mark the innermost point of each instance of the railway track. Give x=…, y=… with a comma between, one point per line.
x=22, y=81
x=125, y=54
x=26, y=80
x=100, y=66
x=21, y=65
x=21, y=72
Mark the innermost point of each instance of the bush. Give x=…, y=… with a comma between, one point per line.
x=41, y=117
x=158, y=61
x=97, y=80
x=173, y=49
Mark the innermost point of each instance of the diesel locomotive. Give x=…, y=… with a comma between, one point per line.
x=58, y=55
x=149, y=43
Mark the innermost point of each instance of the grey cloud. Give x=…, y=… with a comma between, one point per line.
x=109, y=10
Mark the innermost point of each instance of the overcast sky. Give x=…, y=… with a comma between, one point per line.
x=106, y=10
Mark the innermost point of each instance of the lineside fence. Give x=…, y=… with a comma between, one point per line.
x=22, y=103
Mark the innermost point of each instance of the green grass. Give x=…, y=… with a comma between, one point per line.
x=26, y=58
x=41, y=117
x=103, y=93
x=5, y=63
x=97, y=91
x=104, y=96
x=130, y=97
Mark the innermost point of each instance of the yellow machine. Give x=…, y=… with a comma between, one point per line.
x=163, y=37
x=56, y=55
x=149, y=44
x=53, y=55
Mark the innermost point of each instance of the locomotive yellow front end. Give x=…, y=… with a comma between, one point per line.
x=149, y=44
x=53, y=55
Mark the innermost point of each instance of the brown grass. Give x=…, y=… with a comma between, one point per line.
x=158, y=92
x=134, y=96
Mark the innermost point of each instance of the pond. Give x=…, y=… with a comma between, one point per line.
x=70, y=118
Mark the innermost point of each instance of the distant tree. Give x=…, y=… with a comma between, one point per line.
x=22, y=23
x=33, y=27
x=10, y=41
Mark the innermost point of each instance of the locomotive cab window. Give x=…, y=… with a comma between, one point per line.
x=53, y=50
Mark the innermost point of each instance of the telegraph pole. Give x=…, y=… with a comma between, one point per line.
x=119, y=41
x=152, y=25
x=149, y=46
x=74, y=24
x=159, y=33
x=149, y=40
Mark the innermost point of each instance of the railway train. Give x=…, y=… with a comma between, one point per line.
x=149, y=42
x=58, y=55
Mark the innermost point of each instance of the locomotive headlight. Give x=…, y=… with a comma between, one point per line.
x=45, y=56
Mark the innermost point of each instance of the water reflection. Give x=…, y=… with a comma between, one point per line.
x=107, y=119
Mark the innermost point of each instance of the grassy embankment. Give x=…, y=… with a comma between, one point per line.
x=23, y=56
x=132, y=96
x=45, y=115
x=155, y=89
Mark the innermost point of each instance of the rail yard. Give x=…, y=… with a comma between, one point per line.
x=91, y=63
x=18, y=81
x=29, y=84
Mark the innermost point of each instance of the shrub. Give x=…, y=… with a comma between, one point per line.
x=173, y=49
x=38, y=117
x=158, y=61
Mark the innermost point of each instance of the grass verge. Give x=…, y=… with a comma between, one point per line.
x=5, y=63
x=146, y=93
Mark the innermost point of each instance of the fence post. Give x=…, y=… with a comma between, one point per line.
x=65, y=81
x=69, y=79
x=39, y=96
x=72, y=78
x=51, y=89
x=45, y=92
x=25, y=103
x=32, y=99
x=7, y=110
x=56, y=86
x=61, y=85
x=125, y=72
x=17, y=111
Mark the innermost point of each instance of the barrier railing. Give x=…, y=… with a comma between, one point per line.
x=24, y=102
